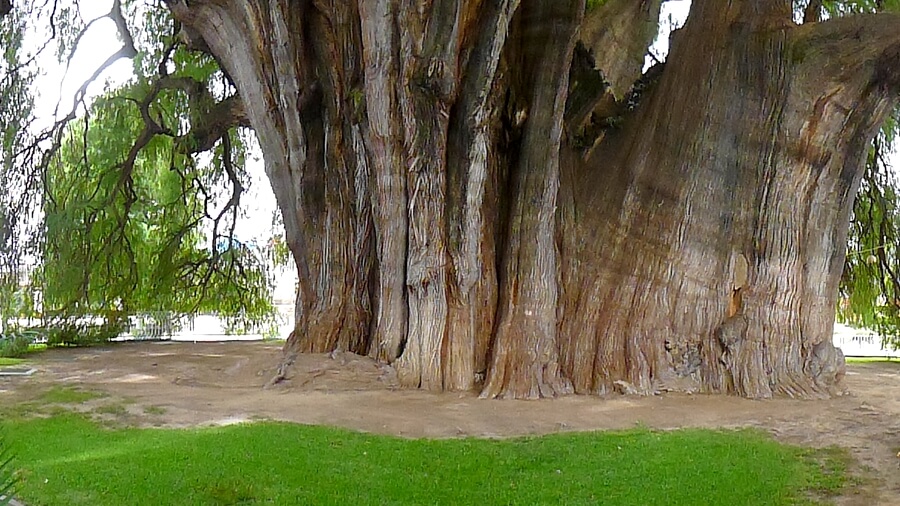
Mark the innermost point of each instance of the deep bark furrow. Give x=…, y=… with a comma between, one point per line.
x=346, y=265
x=426, y=83
x=525, y=354
x=471, y=204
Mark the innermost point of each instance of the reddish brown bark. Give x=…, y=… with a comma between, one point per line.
x=720, y=165
x=473, y=194
x=465, y=203
x=525, y=362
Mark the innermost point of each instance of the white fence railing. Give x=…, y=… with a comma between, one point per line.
x=861, y=343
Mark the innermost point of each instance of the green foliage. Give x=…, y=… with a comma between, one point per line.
x=14, y=343
x=870, y=284
x=135, y=221
x=281, y=463
x=16, y=188
x=80, y=333
x=114, y=207
x=836, y=8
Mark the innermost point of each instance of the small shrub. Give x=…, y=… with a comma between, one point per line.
x=82, y=334
x=14, y=344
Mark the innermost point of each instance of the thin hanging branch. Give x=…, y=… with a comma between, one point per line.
x=127, y=50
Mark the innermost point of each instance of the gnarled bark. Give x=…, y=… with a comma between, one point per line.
x=725, y=160
x=525, y=360
x=463, y=200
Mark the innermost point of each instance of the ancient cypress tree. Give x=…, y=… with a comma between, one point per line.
x=491, y=194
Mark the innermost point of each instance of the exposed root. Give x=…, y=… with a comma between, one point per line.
x=626, y=388
x=283, y=368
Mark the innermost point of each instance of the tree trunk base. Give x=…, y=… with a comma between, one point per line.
x=289, y=353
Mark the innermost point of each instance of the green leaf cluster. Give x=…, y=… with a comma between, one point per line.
x=16, y=197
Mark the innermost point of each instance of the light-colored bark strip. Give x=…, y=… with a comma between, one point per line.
x=430, y=78
x=389, y=189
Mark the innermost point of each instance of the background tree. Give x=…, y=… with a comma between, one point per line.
x=152, y=234
x=493, y=192
x=16, y=108
x=130, y=219
x=871, y=278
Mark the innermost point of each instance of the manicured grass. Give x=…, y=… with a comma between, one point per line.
x=10, y=362
x=68, y=459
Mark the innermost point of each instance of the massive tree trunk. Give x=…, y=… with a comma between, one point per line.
x=483, y=191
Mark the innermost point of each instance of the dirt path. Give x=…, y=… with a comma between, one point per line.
x=184, y=384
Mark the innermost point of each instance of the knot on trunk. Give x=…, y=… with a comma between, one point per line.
x=684, y=357
x=731, y=334
x=686, y=360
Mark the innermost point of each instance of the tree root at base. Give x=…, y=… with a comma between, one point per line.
x=283, y=369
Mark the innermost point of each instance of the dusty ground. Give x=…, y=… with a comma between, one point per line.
x=184, y=384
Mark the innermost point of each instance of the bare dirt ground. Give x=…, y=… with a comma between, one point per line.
x=185, y=384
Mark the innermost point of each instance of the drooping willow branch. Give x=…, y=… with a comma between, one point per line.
x=210, y=124
x=870, y=285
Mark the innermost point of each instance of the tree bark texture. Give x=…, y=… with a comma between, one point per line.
x=488, y=194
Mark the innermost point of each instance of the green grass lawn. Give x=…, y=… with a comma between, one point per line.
x=9, y=362
x=67, y=459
